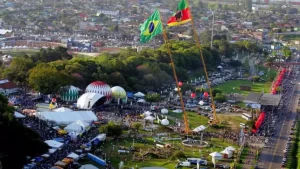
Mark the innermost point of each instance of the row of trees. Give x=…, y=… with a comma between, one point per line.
x=149, y=70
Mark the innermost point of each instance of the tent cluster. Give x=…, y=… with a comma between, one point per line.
x=278, y=81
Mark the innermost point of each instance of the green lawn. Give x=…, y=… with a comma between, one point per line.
x=195, y=120
x=20, y=52
x=269, y=73
x=233, y=86
x=151, y=161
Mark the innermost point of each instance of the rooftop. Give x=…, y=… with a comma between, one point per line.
x=265, y=99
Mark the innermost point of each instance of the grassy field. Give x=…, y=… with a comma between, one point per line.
x=233, y=86
x=15, y=52
x=269, y=73
x=195, y=120
x=143, y=147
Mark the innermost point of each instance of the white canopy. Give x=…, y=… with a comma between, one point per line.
x=164, y=111
x=62, y=109
x=100, y=137
x=88, y=166
x=230, y=148
x=216, y=155
x=139, y=94
x=177, y=111
x=226, y=152
x=73, y=156
x=65, y=118
x=165, y=122
x=51, y=150
x=150, y=118
x=201, y=103
x=147, y=113
x=19, y=115
x=54, y=144
x=199, y=128
x=87, y=100
x=220, y=67
x=77, y=127
x=141, y=101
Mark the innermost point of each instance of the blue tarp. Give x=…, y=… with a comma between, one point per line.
x=61, y=140
x=38, y=159
x=96, y=159
x=129, y=94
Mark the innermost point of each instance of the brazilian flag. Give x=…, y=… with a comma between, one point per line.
x=151, y=27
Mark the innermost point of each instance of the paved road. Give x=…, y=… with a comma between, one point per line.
x=272, y=156
x=252, y=66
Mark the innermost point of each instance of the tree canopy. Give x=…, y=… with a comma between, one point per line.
x=147, y=70
x=16, y=141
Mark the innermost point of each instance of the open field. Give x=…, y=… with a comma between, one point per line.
x=19, y=52
x=144, y=149
x=233, y=86
x=269, y=73
x=195, y=120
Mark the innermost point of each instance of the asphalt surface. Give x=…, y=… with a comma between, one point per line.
x=271, y=156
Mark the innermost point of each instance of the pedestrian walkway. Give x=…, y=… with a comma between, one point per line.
x=249, y=161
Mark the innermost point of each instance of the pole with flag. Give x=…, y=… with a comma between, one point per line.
x=183, y=15
x=151, y=27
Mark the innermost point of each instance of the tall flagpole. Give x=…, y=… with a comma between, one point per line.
x=185, y=118
x=215, y=120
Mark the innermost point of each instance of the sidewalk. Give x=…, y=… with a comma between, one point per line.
x=248, y=162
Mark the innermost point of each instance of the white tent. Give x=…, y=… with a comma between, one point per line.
x=165, y=122
x=87, y=100
x=199, y=128
x=141, y=101
x=227, y=153
x=77, y=127
x=139, y=94
x=54, y=144
x=220, y=67
x=164, y=111
x=88, y=166
x=51, y=151
x=62, y=109
x=230, y=148
x=147, y=113
x=65, y=118
x=177, y=111
x=73, y=156
x=216, y=155
x=19, y=115
x=100, y=137
x=150, y=118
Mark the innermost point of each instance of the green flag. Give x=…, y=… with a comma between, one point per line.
x=151, y=27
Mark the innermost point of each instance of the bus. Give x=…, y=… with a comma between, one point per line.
x=246, y=116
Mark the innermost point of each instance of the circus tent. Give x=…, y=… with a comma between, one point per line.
x=71, y=94
x=100, y=88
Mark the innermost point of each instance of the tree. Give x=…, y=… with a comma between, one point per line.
x=111, y=129
x=152, y=97
x=13, y=152
x=235, y=63
x=216, y=91
x=220, y=98
x=248, y=5
x=286, y=51
x=47, y=80
x=137, y=126
x=18, y=70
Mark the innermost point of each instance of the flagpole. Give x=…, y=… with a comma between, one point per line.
x=185, y=118
x=215, y=120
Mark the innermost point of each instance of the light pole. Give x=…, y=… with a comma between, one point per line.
x=212, y=30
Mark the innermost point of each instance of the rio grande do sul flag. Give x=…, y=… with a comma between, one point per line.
x=151, y=27
x=182, y=15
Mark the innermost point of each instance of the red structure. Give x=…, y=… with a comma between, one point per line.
x=258, y=122
x=278, y=81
